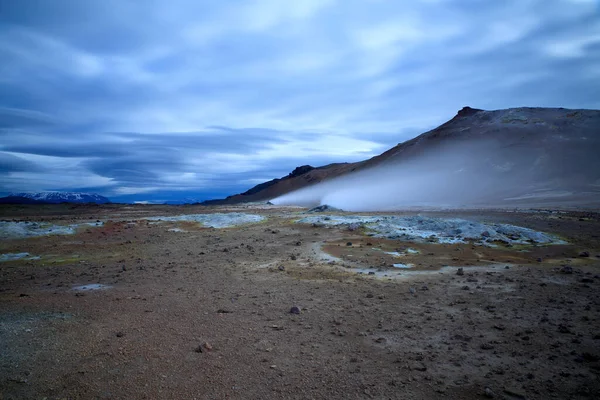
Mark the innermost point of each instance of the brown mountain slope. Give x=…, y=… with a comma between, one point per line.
x=513, y=153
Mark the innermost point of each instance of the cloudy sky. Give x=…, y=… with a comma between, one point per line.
x=157, y=100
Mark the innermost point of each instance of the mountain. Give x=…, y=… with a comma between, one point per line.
x=19, y=200
x=56, y=197
x=504, y=157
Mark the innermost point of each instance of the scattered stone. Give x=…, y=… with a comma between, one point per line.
x=369, y=295
x=460, y=271
x=295, y=310
x=489, y=393
x=566, y=269
x=586, y=280
x=207, y=346
x=281, y=268
x=349, y=244
x=381, y=340
x=223, y=311
x=584, y=254
x=563, y=329
x=486, y=346
x=119, y=334
x=465, y=287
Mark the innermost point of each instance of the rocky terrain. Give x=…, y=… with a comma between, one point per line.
x=268, y=302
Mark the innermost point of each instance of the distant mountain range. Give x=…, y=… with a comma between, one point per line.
x=53, y=198
x=513, y=157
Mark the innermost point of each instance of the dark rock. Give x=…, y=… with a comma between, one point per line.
x=295, y=310
x=566, y=269
x=586, y=280
x=584, y=254
x=563, y=329
x=349, y=244
x=281, y=268
x=119, y=334
x=460, y=271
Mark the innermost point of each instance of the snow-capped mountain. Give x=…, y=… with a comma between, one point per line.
x=64, y=197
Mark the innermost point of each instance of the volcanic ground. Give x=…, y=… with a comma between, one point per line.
x=266, y=302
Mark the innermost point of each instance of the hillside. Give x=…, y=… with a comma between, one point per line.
x=524, y=155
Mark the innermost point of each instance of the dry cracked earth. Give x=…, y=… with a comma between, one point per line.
x=271, y=310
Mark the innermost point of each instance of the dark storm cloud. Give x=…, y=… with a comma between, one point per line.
x=130, y=98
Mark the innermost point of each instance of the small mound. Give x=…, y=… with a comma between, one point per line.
x=325, y=208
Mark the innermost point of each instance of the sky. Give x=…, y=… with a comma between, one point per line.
x=191, y=99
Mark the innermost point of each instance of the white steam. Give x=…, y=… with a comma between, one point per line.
x=446, y=176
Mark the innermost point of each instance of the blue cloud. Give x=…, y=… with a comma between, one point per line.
x=187, y=96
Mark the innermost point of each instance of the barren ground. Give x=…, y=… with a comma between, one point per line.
x=205, y=313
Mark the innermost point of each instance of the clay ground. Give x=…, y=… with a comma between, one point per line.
x=205, y=313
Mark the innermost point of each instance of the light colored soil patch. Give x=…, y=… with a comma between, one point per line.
x=217, y=220
x=18, y=230
x=437, y=230
x=17, y=256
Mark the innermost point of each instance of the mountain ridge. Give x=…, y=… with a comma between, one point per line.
x=56, y=197
x=525, y=139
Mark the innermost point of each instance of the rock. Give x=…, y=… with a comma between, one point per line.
x=371, y=273
x=465, y=287
x=295, y=310
x=381, y=340
x=369, y=295
x=563, y=329
x=486, y=346
x=489, y=393
x=584, y=254
x=119, y=334
x=349, y=244
x=586, y=280
x=281, y=268
x=566, y=269
x=460, y=271
x=207, y=346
